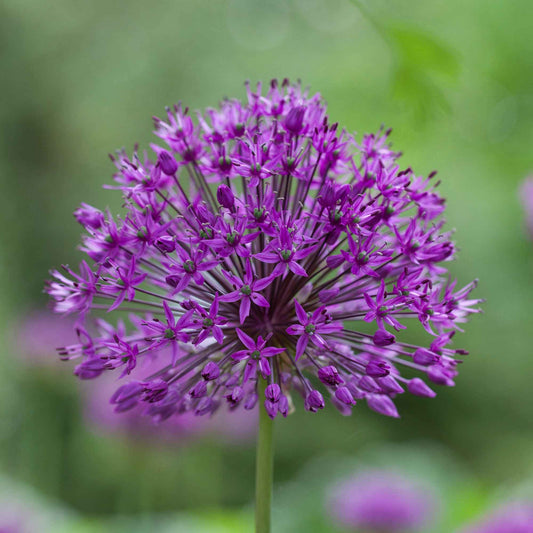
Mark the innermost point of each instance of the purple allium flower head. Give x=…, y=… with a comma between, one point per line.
x=251, y=247
x=381, y=502
x=515, y=517
x=526, y=197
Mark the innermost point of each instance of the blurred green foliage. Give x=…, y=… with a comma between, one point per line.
x=80, y=79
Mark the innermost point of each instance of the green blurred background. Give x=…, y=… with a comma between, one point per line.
x=453, y=79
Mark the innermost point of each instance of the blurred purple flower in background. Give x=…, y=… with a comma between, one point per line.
x=37, y=335
x=381, y=501
x=526, y=198
x=252, y=246
x=239, y=426
x=514, y=517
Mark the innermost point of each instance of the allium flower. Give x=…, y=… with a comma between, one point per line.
x=381, y=502
x=515, y=517
x=265, y=242
x=526, y=197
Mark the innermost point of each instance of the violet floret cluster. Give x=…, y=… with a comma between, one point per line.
x=264, y=242
x=512, y=517
x=382, y=501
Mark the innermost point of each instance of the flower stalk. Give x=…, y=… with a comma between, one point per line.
x=264, y=467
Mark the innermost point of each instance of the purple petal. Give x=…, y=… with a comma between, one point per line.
x=264, y=367
x=244, y=310
x=249, y=370
x=295, y=268
x=246, y=339
x=300, y=312
x=270, y=351
x=259, y=300
x=295, y=329
x=301, y=345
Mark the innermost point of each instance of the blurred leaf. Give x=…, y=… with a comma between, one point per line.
x=423, y=64
x=418, y=91
x=422, y=52
x=466, y=502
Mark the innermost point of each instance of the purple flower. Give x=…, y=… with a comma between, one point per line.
x=38, y=334
x=310, y=328
x=247, y=291
x=251, y=247
x=256, y=353
x=514, y=517
x=381, y=502
x=526, y=198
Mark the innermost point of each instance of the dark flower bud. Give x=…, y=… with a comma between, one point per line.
x=327, y=196
x=382, y=404
x=425, y=357
x=199, y=390
x=211, y=371
x=127, y=396
x=165, y=244
x=295, y=119
x=225, y=196
x=173, y=280
x=90, y=369
x=389, y=384
x=314, y=401
x=334, y=261
x=383, y=338
x=273, y=392
x=205, y=406
x=235, y=396
x=343, y=395
x=353, y=387
x=250, y=401
x=418, y=387
x=329, y=375
x=368, y=384
x=154, y=391
x=188, y=305
x=204, y=215
x=271, y=409
x=377, y=369
x=344, y=410
x=283, y=406
x=167, y=163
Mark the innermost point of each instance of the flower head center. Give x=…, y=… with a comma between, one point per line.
x=169, y=333
x=285, y=255
x=259, y=213
x=189, y=266
x=206, y=233
x=362, y=258
x=231, y=238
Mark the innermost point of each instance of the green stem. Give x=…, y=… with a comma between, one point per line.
x=264, y=465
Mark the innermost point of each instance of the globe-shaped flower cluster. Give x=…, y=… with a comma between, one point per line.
x=264, y=243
